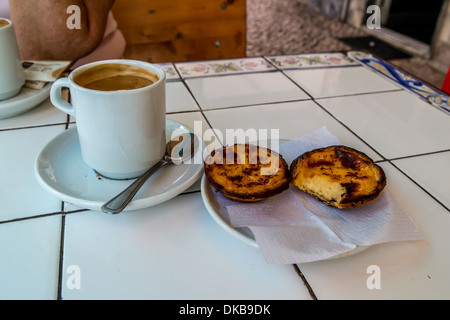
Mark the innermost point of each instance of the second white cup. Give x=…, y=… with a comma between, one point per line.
x=11, y=72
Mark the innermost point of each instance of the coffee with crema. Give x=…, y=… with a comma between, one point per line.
x=115, y=77
x=3, y=23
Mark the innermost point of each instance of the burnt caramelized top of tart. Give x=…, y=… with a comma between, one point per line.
x=339, y=176
x=246, y=172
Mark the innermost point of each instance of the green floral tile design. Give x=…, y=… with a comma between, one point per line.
x=319, y=60
x=215, y=67
x=171, y=73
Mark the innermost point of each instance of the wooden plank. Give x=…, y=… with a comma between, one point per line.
x=182, y=30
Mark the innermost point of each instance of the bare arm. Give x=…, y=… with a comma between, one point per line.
x=42, y=32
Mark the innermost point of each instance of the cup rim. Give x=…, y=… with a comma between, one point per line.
x=10, y=23
x=138, y=63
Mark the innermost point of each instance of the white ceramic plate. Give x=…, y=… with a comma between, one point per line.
x=244, y=234
x=221, y=216
x=26, y=100
x=61, y=170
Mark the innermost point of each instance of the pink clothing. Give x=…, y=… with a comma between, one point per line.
x=4, y=9
x=111, y=47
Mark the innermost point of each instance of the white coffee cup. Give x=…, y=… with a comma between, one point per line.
x=11, y=72
x=121, y=132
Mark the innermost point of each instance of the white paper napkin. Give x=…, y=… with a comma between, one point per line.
x=294, y=227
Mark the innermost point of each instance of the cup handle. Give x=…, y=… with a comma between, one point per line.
x=57, y=99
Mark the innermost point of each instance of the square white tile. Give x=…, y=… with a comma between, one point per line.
x=431, y=171
x=178, y=98
x=18, y=153
x=245, y=89
x=407, y=269
x=397, y=124
x=329, y=82
x=171, y=251
x=291, y=119
x=30, y=258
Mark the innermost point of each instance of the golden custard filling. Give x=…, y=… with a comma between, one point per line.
x=339, y=176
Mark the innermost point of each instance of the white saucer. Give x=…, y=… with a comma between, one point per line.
x=244, y=234
x=61, y=170
x=221, y=216
x=26, y=100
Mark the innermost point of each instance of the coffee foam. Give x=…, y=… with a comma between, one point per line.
x=3, y=23
x=109, y=70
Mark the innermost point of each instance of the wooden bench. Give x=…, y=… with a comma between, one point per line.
x=182, y=30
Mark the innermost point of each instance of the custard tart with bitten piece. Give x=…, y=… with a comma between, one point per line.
x=246, y=172
x=339, y=176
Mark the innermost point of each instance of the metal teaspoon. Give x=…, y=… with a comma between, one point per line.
x=120, y=202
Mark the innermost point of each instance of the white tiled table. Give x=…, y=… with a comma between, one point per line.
x=175, y=250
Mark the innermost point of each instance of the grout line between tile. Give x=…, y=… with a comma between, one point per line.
x=189, y=192
x=359, y=93
x=256, y=104
x=177, y=71
x=67, y=122
x=31, y=217
x=305, y=282
x=419, y=155
x=414, y=181
x=182, y=112
x=61, y=255
x=420, y=186
x=36, y=126
x=270, y=62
